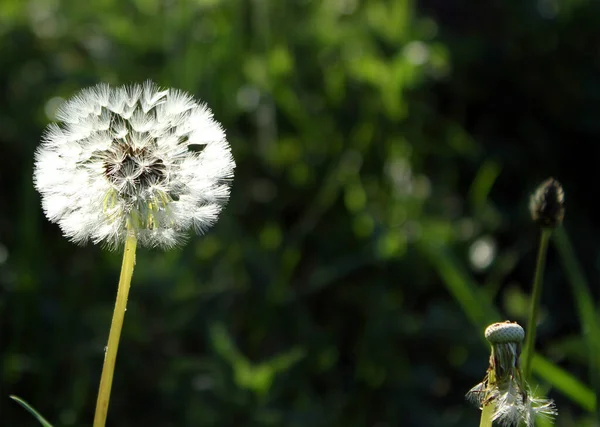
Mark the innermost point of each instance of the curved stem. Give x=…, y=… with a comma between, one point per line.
x=110, y=355
x=535, y=302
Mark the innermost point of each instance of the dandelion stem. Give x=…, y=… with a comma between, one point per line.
x=486, y=415
x=110, y=355
x=535, y=302
x=487, y=412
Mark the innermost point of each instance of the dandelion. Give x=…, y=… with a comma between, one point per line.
x=547, y=207
x=132, y=165
x=136, y=159
x=547, y=204
x=504, y=395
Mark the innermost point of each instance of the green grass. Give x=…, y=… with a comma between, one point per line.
x=32, y=411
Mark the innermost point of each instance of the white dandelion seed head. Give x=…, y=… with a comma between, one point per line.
x=139, y=156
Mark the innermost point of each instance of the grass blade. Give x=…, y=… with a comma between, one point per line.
x=32, y=411
x=590, y=326
x=565, y=382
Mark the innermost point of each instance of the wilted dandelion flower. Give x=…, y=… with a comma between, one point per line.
x=137, y=159
x=547, y=204
x=504, y=386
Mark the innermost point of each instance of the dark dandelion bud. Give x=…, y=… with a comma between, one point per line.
x=547, y=204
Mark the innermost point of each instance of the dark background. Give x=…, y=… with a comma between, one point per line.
x=385, y=150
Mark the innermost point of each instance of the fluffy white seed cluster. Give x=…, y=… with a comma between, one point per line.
x=504, y=387
x=137, y=159
x=515, y=405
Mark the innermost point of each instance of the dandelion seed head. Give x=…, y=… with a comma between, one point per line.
x=139, y=156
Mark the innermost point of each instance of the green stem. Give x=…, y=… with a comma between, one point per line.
x=486, y=416
x=487, y=412
x=110, y=355
x=535, y=302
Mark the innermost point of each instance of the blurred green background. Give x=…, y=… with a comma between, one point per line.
x=385, y=151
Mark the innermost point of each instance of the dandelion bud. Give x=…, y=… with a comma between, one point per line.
x=504, y=386
x=133, y=159
x=547, y=204
x=505, y=332
x=506, y=339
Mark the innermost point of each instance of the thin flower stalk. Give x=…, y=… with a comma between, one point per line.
x=487, y=408
x=536, y=297
x=547, y=209
x=110, y=355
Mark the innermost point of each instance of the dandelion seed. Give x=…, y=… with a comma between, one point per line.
x=535, y=407
x=139, y=157
x=504, y=386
